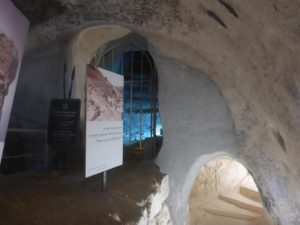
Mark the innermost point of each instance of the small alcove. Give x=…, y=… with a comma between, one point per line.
x=224, y=192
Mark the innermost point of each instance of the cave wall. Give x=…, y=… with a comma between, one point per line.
x=41, y=80
x=197, y=127
x=248, y=49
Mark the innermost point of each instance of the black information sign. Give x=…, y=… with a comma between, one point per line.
x=63, y=124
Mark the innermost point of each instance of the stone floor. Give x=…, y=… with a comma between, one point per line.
x=68, y=198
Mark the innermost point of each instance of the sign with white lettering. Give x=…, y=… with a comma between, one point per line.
x=104, y=120
x=63, y=125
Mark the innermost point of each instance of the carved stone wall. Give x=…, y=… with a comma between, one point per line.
x=248, y=49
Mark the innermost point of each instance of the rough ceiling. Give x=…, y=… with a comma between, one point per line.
x=250, y=49
x=39, y=11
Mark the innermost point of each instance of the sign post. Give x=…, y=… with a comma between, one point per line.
x=104, y=181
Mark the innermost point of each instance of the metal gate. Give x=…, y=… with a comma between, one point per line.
x=134, y=62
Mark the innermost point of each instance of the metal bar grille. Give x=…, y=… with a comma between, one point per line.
x=110, y=58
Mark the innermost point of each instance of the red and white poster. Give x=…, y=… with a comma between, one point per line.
x=104, y=120
x=13, y=32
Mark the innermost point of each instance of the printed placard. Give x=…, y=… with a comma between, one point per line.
x=13, y=32
x=63, y=125
x=104, y=120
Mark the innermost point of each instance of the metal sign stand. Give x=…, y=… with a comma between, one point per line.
x=104, y=181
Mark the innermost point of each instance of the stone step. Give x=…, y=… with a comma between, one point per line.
x=250, y=193
x=221, y=208
x=242, y=202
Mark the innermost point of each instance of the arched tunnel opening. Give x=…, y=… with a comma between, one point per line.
x=224, y=193
x=129, y=56
x=228, y=84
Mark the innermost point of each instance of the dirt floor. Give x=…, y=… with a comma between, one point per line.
x=67, y=198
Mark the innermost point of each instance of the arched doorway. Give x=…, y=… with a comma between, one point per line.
x=112, y=47
x=224, y=192
x=129, y=56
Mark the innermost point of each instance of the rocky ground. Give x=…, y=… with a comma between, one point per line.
x=68, y=198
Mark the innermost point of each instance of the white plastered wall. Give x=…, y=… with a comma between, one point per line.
x=197, y=122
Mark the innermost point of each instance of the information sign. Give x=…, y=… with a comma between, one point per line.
x=63, y=125
x=104, y=120
x=13, y=32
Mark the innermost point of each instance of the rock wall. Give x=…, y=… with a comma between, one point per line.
x=198, y=123
x=41, y=79
x=156, y=211
x=249, y=49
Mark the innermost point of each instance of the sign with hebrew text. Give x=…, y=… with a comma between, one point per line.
x=104, y=120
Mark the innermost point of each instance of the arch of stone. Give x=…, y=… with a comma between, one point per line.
x=224, y=192
x=204, y=115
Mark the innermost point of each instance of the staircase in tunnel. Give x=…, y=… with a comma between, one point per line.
x=221, y=197
x=243, y=206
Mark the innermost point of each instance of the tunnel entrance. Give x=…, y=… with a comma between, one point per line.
x=129, y=56
x=224, y=193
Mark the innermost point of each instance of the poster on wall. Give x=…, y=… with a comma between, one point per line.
x=13, y=32
x=104, y=120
